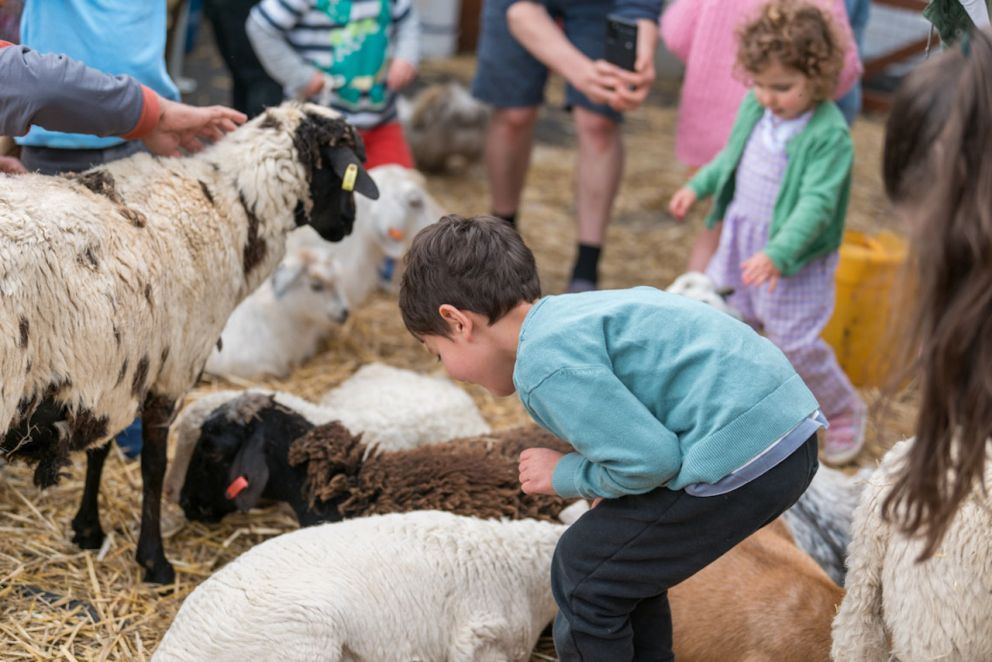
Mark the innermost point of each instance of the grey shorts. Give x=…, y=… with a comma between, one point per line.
x=508, y=76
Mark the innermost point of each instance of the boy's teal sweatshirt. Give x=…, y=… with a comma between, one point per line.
x=651, y=389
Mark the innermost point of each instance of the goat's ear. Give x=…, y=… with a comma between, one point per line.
x=286, y=275
x=249, y=472
x=348, y=167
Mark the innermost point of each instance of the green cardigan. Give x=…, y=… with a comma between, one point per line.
x=812, y=202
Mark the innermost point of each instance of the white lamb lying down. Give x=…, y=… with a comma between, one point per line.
x=425, y=585
x=282, y=322
x=393, y=408
x=383, y=229
x=701, y=287
x=898, y=609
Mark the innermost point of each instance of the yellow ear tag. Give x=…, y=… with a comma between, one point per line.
x=350, y=175
x=396, y=234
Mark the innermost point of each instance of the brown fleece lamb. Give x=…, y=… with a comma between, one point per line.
x=474, y=476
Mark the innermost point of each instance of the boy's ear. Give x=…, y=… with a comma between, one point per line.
x=458, y=322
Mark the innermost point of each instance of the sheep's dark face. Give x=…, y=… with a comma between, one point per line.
x=332, y=153
x=229, y=468
x=202, y=497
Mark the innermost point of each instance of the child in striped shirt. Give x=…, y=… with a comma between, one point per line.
x=350, y=55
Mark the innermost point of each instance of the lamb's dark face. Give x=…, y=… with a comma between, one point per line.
x=229, y=468
x=332, y=153
x=202, y=497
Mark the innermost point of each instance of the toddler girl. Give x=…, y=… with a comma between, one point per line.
x=781, y=184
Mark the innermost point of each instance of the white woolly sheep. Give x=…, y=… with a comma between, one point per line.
x=820, y=521
x=898, y=609
x=115, y=285
x=282, y=322
x=701, y=287
x=392, y=408
x=416, y=586
x=429, y=585
x=445, y=127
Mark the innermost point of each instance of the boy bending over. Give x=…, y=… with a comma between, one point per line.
x=690, y=430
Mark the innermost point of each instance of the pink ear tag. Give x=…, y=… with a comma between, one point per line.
x=236, y=487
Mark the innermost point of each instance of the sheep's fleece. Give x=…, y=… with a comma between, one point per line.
x=898, y=609
x=426, y=586
x=393, y=408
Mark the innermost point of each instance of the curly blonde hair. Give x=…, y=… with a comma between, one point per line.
x=798, y=35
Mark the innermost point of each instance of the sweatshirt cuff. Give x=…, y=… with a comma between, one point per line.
x=149, y=115
x=564, y=478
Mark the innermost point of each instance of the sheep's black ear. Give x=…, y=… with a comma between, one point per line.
x=724, y=292
x=249, y=473
x=342, y=159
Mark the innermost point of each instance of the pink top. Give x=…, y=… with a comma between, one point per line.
x=701, y=33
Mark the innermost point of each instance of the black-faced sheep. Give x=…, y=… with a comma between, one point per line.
x=254, y=448
x=115, y=284
x=393, y=408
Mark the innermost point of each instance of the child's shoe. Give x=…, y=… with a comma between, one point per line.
x=845, y=437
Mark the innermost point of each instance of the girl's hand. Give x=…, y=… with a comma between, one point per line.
x=537, y=466
x=759, y=269
x=681, y=202
x=401, y=73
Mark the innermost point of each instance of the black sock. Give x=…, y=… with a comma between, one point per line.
x=587, y=263
x=509, y=218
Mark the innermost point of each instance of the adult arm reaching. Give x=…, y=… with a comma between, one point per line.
x=61, y=94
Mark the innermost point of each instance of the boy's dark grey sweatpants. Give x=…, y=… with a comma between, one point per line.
x=613, y=567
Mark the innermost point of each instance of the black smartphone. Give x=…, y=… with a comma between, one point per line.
x=621, y=41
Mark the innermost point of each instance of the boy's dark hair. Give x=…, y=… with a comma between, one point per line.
x=798, y=35
x=479, y=264
x=938, y=169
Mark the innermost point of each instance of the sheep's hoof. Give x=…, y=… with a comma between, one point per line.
x=159, y=572
x=87, y=536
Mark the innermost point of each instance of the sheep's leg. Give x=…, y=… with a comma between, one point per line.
x=156, y=414
x=86, y=523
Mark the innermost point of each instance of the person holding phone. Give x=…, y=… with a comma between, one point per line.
x=520, y=41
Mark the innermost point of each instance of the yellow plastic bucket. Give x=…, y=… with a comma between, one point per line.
x=868, y=275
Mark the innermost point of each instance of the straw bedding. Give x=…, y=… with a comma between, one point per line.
x=57, y=602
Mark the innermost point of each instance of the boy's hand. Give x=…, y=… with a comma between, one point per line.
x=401, y=73
x=315, y=85
x=537, y=466
x=682, y=202
x=759, y=269
x=11, y=166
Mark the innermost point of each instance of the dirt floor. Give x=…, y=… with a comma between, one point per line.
x=57, y=602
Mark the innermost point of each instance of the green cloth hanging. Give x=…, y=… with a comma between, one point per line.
x=950, y=19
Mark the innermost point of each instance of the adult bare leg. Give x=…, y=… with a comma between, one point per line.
x=598, y=170
x=508, y=146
